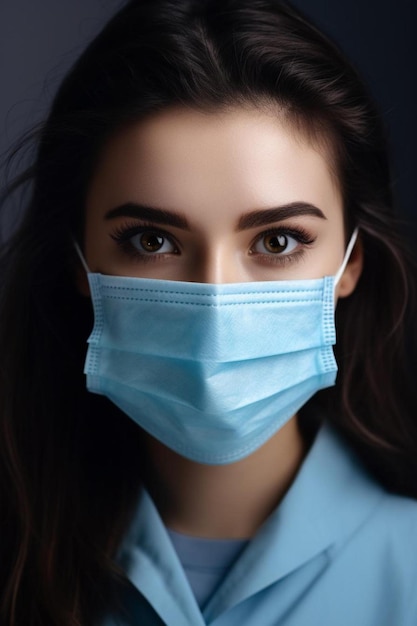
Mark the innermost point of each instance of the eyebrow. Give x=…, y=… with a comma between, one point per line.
x=252, y=219
x=278, y=214
x=140, y=211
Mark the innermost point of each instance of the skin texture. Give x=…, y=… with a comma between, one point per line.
x=181, y=196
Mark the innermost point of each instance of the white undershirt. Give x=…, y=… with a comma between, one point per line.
x=205, y=561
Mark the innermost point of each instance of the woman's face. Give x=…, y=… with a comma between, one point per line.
x=223, y=197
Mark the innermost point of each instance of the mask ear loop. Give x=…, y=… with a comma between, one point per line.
x=82, y=259
x=346, y=258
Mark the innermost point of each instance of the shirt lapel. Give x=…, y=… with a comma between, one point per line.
x=152, y=566
x=330, y=497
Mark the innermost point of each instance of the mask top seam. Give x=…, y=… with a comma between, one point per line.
x=208, y=304
x=208, y=295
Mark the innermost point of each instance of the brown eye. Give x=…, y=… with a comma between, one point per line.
x=275, y=243
x=151, y=242
x=148, y=242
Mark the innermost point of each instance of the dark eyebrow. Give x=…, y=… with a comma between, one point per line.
x=277, y=214
x=140, y=211
x=249, y=220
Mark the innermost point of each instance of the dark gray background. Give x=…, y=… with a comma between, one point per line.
x=39, y=39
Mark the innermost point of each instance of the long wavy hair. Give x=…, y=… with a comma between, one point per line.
x=70, y=462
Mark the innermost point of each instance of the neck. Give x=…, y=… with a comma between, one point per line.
x=225, y=501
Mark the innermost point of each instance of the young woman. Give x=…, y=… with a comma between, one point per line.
x=213, y=181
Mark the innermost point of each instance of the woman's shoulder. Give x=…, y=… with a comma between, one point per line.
x=399, y=510
x=395, y=521
x=361, y=516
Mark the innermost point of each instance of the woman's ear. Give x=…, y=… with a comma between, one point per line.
x=353, y=270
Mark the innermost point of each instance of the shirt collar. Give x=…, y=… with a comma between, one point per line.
x=329, y=498
x=152, y=566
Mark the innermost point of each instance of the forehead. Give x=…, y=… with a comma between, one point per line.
x=186, y=159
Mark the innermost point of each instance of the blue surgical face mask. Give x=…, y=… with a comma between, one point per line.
x=212, y=370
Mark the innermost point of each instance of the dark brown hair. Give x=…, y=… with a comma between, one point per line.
x=70, y=462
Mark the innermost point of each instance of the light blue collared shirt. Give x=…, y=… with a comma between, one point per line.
x=338, y=551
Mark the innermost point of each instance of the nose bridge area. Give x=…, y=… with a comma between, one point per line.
x=217, y=263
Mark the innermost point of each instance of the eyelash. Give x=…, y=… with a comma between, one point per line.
x=124, y=233
x=299, y=234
